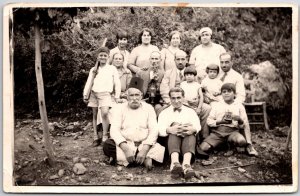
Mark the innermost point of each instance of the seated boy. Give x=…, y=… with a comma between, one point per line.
x=211, y=84
x=225, y=120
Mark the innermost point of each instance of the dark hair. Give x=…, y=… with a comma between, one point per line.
x=141, y=33
x=177, y=90
x=122, y=34
x=228, y=86
x=173, y=33
x=212, y=67
x=103, y=49
x=190, y=70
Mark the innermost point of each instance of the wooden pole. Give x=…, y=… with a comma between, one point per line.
x=41, y=96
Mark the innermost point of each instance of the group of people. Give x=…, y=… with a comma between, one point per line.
x=157, y=105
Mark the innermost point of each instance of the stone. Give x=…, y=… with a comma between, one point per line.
x=61, y=172
x=67, y=178
x=73, y=181
x=76, y=160
x=79, y=169
x=120, y=169
x=70, y=127
x=53, y=177
x=241, y=170
x=238, y=163
x=129, y=177
x=96, y=161
x=116, y=177
x=148, y=179
x=75, y=137
x=232, y=159
x=84, y=160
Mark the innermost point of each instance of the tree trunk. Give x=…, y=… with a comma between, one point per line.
x=41, y=96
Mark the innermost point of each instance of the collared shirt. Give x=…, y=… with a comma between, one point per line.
x=238, y=80
x=125, y=78
x=139, y=125
x=220, y=108
x=169, y=116
x=106, y=80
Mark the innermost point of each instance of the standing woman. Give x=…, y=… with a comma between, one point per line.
x=139, y=58
x=125, y=77
x=168, y=54
x=122, y=38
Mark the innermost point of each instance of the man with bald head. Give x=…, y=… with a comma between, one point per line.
x=134, y=131
x=206, y=53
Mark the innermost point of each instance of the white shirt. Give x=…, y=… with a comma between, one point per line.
x=168, y=116
x=202, y=56
x=238, y=80
x=220, y=108
x=212, y=85
x=190, y=90
x=139, y=125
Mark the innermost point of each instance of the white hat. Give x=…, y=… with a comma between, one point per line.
x=205, y=29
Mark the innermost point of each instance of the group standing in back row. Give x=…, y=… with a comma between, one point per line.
x=208, y=86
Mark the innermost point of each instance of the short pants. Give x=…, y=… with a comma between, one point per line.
x=221, y=135
x=99, y=100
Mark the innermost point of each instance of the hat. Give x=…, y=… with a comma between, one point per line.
x=190, y=70
x=212, y=67
x=205, y=29
x=137, y=83
x=228, y=86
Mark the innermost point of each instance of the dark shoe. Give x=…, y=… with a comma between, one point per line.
x=200, y=153
x=176, y=171
x=188, y=172
x=96, y=143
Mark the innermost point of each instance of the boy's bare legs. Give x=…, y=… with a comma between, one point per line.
x=96, y=141
x=105, y=122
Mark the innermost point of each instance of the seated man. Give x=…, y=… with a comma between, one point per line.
x=181, y=124
x=134, y=131
x=225, y=120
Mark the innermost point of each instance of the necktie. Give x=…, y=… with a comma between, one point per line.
x=177, y=109
x=223, y=77
x=180, y=76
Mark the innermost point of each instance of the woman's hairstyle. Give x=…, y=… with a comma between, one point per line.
x=173, y=33
x=145, y=30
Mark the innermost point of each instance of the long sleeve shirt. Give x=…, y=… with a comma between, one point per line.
x=220, y=108
x=139, y=125
x=168, y=116
x=238, y=80
x=106, y=80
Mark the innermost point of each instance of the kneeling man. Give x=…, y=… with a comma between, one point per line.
x=181, y=124
x=134, y=131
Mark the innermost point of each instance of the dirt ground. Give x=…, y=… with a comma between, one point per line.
x=72, y=140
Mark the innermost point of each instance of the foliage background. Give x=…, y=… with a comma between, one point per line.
x=253, y=35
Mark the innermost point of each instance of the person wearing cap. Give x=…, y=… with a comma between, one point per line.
x=134, y=131
x=140, y=55
x=226, y=119
x=105, y=82
x=180, y=124
x=206, y=53
x=212, y=84
x=122, y=38
x=168, y=53
x=152, y=78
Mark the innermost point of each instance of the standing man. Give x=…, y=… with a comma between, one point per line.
x=181, y=124
x=206, y=53
x=134, y=131
x=232, y=76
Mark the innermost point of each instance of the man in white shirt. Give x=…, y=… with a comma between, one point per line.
x=134, y=131
x=181, y=124
x=206, y=53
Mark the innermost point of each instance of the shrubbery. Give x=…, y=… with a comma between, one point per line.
x=253, y=35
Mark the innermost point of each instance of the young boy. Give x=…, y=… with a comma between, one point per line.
x=105, y=82
x=192, y=89
x=225, y=120
x=211, y=84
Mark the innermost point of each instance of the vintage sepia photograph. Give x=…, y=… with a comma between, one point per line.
x=150, y=98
